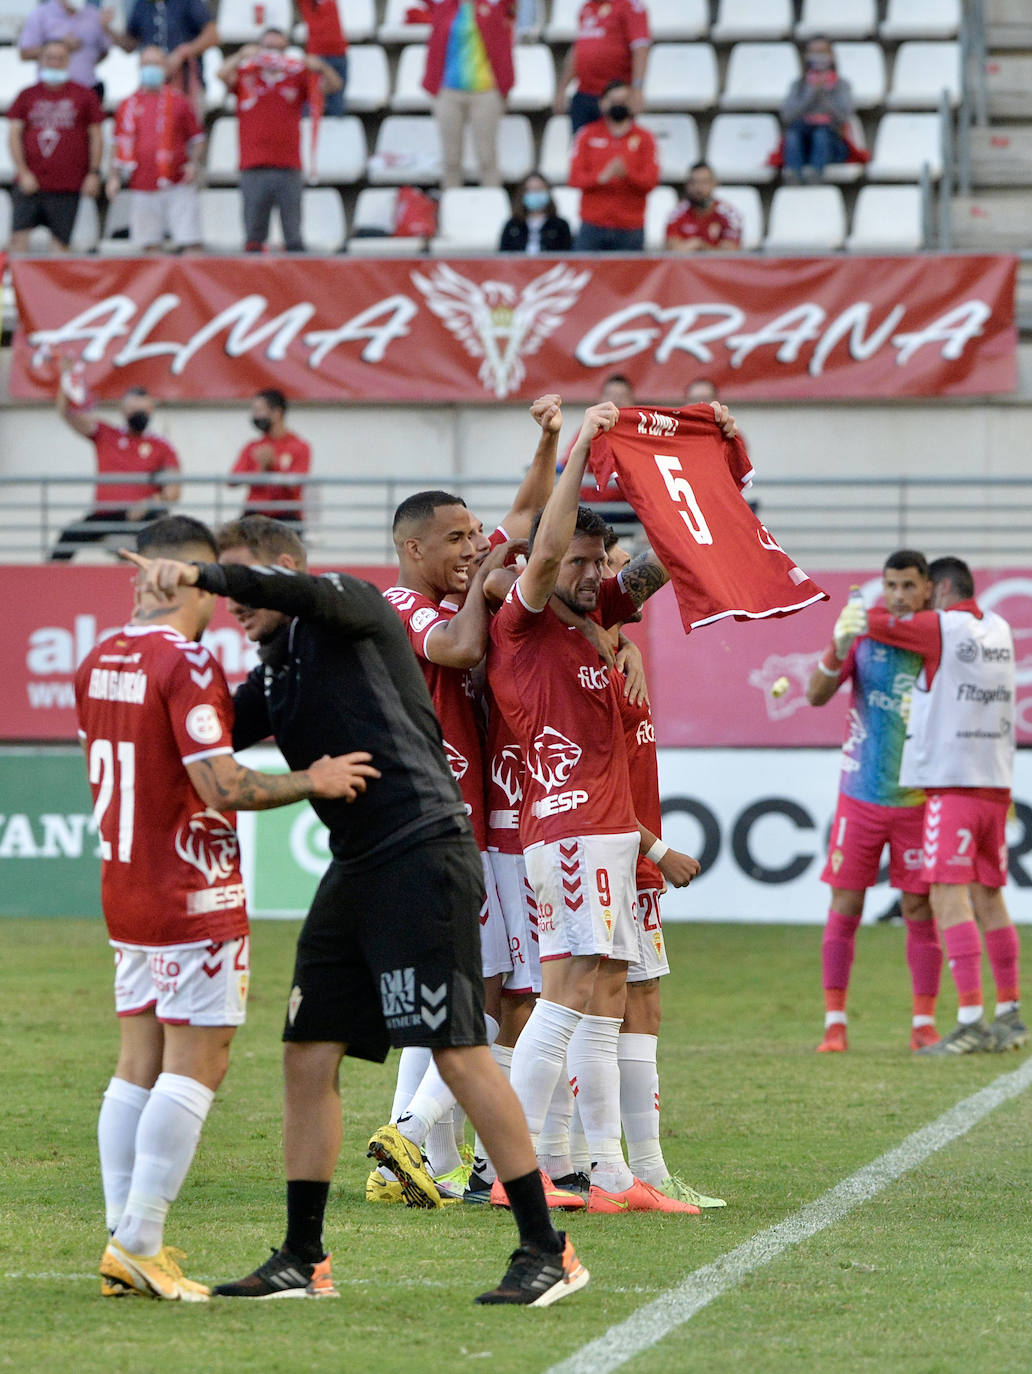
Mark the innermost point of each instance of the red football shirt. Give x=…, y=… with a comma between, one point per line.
x=619, y=203
x=503, y=781
x=138, y=455
x=325, y=31
x=271, y=90
x=720, y=224
x=55, y=136
x=643, y=770
x=556, y=695
x=292, y=457
x=607, y=30
x=149, y=139
x=149, y=702
x=453, y=694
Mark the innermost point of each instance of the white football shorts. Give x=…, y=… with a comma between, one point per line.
x=494, y=943
x=586, y=894
x=652, y=960
x=195, y=985
x=519, y=910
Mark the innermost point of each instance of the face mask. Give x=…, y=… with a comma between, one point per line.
x=152, y=77
x=618, y=113
x=535, y=200
x=53, y=76
x=262, y=423
x=818, y=62
x=137, y=420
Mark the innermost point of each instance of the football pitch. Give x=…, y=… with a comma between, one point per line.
x=924, y=1269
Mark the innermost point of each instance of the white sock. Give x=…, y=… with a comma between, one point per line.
x=554, y=1140
x=967, y=1016
x=580, y=1155
x=166, y=1138
x=413, y=1063
x=639, y=1107
x=1003, y=1007
x=116, y=1140
x=835, y=1018
x=482, y=1166
x=595, y=1071
x=923, y=1021
x=539, y=1057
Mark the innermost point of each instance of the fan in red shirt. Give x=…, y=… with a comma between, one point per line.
x=615, y=166
x=701, y=223
x=612, y=44
x=271, y=89
x=56, y=145
x=271, y=460
x=146, y=462
x=326, y=40
x=159, y=149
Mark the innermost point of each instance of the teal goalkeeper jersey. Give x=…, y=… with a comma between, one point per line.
x=883, y=681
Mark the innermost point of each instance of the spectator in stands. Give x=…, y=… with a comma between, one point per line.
x=159, y=153
x=701, y=223
x=615, y=165
x=535, y=226
x=816, y=113
x=146, y=462
x=184, y=29
x=56, y=147
x=270, y=460
x=271, y=88
x=84, y=29
x=612, y=44
x=469, y=73
x=700, y=391
x=326, y=40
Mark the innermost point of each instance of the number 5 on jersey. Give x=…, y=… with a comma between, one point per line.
x=680, y=490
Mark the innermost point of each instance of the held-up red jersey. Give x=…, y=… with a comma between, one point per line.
x=619, y=203
x=607, y=30
x=639, y=738
x=556, y=695
x=271, y=90
x=453, y=694
x=149, y=702
x=137, y=455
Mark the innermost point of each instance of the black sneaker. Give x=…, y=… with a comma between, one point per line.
x=1010, y=1031
x=538, y=1278
x=574, y=1183
x=283, y=1275
x=892, y=915
x=478, y=1188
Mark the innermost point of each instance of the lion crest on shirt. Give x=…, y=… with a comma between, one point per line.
x=505, y=773
x=209, y=843
x=551, y=758
x=458, y=763
x=499, y=322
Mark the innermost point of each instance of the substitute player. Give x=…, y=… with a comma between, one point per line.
x=874, y=810
x=390, y=950
x=155, y=720
x=960, y=749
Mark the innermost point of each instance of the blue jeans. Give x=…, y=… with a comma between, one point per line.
x=596, y=238
x=813, y=145
x=333, y=105
x=583, y=110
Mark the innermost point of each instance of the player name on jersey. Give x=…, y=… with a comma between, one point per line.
x=111, y=684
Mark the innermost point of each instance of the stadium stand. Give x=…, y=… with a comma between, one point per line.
x=394, y=29
x=15, y=75
x=758, y=75
x=739, y=20
x=678, y=21
x=837, y=19
x=746, y=200
x=369, y=83
x=677, y=143
x=408, y=94
x=681, y=76
x=806, y=219
x=358, y=18
x=470, y=219
x=921, y=73
x=243, y=21
x=921, y=19
x=887, y=219
x=740, y=146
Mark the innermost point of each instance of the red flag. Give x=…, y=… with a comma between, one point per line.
x=684, y=480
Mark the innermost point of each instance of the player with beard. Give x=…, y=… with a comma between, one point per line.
x=580, y=835
x=701, y=222
x=389, y=952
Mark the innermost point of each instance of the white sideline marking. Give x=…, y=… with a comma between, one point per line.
x=651, y=1323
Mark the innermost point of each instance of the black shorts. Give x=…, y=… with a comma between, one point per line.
x=390, y=954
x=54, y=210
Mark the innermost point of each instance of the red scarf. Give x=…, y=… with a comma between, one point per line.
x=127, y=124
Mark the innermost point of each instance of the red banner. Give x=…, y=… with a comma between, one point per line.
x=514, y=327
x=710, y=689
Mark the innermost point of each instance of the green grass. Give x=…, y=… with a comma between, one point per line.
x=929, y=1277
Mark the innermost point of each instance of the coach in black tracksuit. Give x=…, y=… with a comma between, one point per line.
x=390, y=951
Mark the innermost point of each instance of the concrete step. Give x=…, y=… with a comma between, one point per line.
x=1001, y=155
x=1009, y=85
x=1008, y=24
x=993, y=221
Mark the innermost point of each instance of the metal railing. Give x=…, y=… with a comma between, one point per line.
x=825, y=521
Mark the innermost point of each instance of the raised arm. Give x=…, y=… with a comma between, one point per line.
x=536, y=487
x=84, y=422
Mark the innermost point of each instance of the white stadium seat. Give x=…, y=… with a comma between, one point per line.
x=534, y=86
x=740, y=146
x=323, y=227
x=120, y=73
x=863, y=66
x=395, y=30
x=759, y=75
x=678, y=21
x=408, y=151
x=223, y=167
x=358, y=19
x=409, y=95
x=244, y=21
x=922, y=71
x=15, y=75
x=556, y=141
x=752, y=19
x=222, y=220
x=902, y=146
x=746, y=200
x=216, y=97
x=369, y=85
x=659, y=206
x=887, y=219
x=470, y=219
x=116, y=222
x=681, y=76
x=921, y=19
x=13, y=14
x=562, y=25
x=806, y=219
x=677, y=143
x=837, y=19
x=567, y=204
x=340, y=154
